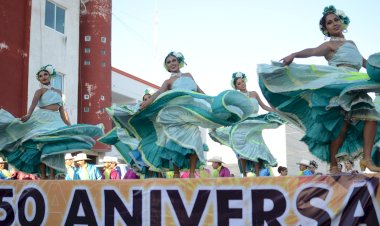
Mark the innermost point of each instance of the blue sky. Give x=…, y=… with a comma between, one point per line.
x=219, y=37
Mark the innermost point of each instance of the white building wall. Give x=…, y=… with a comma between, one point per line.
x=48, y=46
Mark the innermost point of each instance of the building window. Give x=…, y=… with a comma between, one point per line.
x=87, y=50
x=55, y=17
x=103, y=64
x=103, y=52
x=86, y=109
x=57, y=82
x=103, y=39
x=86, y=96
x=87, y=38
x=102, y=97
x=87, y=62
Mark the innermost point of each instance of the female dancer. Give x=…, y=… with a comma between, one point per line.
x=171, y=137
x=121, y=136
x=330, y=103
x=245, y=138
x=43, y=136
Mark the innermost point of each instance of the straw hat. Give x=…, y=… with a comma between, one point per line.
x=114, y=160
x=304, y=162
x=107, y=159
x=68, y=156
x=216, y=159
x=2, y=160
x=81, y=156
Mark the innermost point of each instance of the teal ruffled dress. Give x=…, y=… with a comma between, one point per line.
x=318, y=99
x=44, y=138
x=123, y=139
x=169, y=128
x=246, y=140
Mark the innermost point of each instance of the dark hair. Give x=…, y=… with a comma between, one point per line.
x=145, y=95
x=322, y=22
x=281, y=168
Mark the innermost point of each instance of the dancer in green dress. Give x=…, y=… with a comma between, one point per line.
x=330, y=103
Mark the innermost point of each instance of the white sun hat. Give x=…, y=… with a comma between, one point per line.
x=81, y=156
x=216, y=159
x=304, y=162
x=68, y=156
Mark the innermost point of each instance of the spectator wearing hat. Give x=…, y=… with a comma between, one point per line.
x=304, y=166
x=219, y=169
x=71, y=170
x=282, y=170
x=86, y=171
x=4, y=174
x=110, y=171
x=313, y=167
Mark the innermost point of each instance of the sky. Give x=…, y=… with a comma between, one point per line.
x=219, y=37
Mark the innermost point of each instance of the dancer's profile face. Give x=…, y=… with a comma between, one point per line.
x=147, y=97
x=172, y=64
x=240, y=84
x=333, y=25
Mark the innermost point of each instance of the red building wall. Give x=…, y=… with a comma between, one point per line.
x=95, y=64
x=15, y=19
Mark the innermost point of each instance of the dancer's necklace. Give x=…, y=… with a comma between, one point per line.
x=342, y=39
x=245, y=93
x=45, y=86
x=177, y=74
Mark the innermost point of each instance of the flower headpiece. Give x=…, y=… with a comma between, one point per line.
x=342, y=17
x=148, y=91
x=49, y=68
x=237, y=75
x=180, y=58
